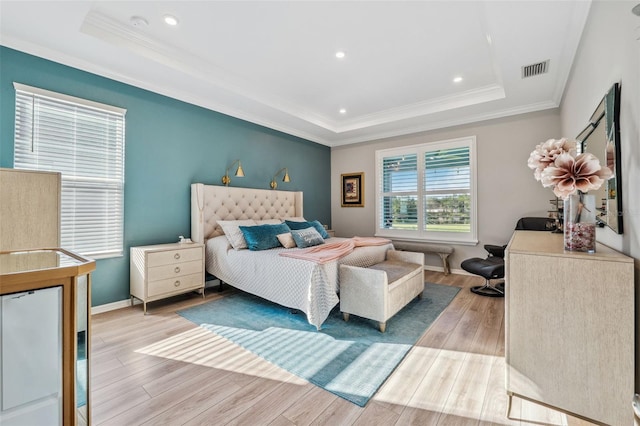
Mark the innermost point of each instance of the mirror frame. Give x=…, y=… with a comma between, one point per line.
x=607, y=113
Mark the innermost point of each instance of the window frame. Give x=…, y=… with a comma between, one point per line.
x=109, y=185
x=422, y=235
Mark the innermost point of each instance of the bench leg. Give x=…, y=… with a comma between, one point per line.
x=383, y=326
x=345, y=316
x=445, y=262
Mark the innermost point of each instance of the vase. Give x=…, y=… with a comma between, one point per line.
x=580, y=222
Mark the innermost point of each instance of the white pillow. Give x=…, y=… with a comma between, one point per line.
x=233, y=233
x=295, y=219
x=286, y=240
x=268, y=222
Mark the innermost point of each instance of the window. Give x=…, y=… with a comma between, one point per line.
x=84, y=141
x=427, y=192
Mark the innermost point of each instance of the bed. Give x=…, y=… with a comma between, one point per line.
x=295, y=283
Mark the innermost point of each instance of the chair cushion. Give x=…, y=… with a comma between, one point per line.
x=490, y=268
x=395, y=269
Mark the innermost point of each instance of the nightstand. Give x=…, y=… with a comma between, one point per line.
x=165, y=270
x=331, y=232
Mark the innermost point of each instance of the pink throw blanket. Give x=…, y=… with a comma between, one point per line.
x=325, y=253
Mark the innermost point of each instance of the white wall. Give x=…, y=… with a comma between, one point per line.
x=507, y=189
x=609, y=52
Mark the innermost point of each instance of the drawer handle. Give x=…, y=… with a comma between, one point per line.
x=177, y=269
x=176, y=256
x=177, y=283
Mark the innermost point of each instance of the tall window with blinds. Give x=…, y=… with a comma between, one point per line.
x=84, y=141
x=427, y=192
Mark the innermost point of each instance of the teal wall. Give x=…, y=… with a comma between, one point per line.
x=169, y=145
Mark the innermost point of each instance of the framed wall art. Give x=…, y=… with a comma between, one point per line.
x=352, y=189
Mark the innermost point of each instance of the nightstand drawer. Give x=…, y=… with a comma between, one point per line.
x=174, y=270
x=177, y=284
x=173, y=256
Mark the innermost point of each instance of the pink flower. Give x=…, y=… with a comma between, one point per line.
x=568, y=174
x=546, y=153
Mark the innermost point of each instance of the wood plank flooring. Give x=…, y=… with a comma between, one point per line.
x=161, y=369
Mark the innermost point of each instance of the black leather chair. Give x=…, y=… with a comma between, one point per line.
x=492, y=267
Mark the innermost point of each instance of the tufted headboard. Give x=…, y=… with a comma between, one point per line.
x=210, y=203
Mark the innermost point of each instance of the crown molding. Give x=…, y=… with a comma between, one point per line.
x=432, y=106
x=442, y=124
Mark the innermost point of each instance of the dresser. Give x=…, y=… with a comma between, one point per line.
x=569, y=327
x=165, y=270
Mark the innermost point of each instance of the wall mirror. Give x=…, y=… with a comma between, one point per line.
x=601, y=137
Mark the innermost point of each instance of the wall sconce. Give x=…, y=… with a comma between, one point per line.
x=286, y=178
x=226, y=180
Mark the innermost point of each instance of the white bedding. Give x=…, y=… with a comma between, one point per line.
x=294, y=283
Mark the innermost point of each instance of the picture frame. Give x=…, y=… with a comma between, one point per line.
x=352, y=189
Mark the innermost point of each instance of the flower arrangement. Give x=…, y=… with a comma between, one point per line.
x=556, y=165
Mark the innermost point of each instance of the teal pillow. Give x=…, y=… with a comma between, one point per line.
x=304, y=225
x=307, y=237
x=263, y=237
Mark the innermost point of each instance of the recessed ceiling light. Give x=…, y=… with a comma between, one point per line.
x=170, y=20
x=340, y=54
x=457, y=79
x=342, y=111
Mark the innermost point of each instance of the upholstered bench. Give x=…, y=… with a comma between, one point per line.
x=439, y=249
x=380, y=291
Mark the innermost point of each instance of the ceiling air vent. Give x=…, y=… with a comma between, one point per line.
x=535, y=69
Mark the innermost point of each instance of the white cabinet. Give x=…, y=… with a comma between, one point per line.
x=44, y=373
x=31, y=357
x=164, y=270
x=569, y=331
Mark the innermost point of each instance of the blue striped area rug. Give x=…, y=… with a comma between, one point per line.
x=350, y=359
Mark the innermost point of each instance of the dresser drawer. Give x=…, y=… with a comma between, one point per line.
x=174, y=270
x=173, y=256
x=177, y=284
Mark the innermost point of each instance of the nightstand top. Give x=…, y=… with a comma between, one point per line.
x=169, y=246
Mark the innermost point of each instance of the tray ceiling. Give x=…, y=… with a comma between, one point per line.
x=274, y=62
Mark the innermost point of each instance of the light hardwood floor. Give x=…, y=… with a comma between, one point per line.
x=161, y=369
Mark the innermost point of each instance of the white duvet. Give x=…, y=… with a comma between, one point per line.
x=294, y=283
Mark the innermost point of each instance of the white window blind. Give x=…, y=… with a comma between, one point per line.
x=427, y=192
x=84, y=141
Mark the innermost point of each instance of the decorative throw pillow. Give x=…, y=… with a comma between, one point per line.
x=306, y=237
x=231, y=229
x=263, y=237
x=286, y=240
x=320, y=228
x=304, y=225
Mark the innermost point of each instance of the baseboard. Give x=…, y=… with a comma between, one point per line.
x=112, y=306
x=127, y=302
